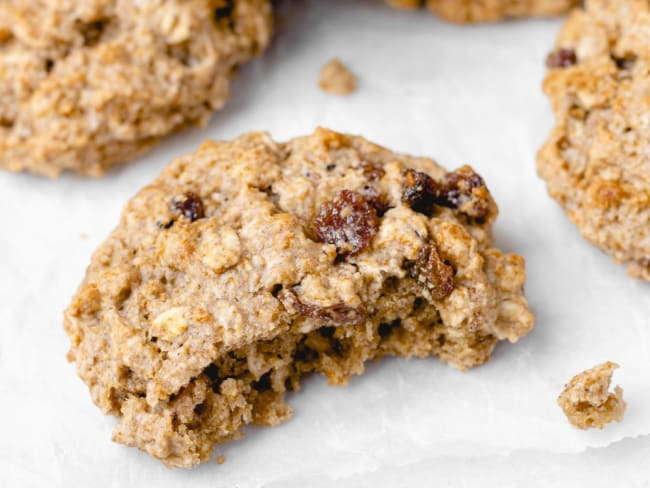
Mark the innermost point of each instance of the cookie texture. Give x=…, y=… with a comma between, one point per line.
x=464, y=11
x=587, y=401
x=250, y=263
x=596, y=161
x=86, y=85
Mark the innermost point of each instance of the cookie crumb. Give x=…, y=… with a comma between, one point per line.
x=83, y=236
x=587, y=401
x=336, y=78
x=221, y=459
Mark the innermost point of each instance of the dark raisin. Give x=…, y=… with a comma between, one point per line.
x=465, y=191
x=339, y=314
x=49, y=65
x=348, y=221
x=373, y=171
x=561, y=58
x=432, y=272
x=625, y=62
x=189, y=205
x=330, y=167
x=419, y=191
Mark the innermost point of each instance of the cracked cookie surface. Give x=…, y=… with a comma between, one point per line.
x=489, y=10
x=87, y=85
x=250, y=263
x=596, y=162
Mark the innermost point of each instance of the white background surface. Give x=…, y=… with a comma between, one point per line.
x=459, y=94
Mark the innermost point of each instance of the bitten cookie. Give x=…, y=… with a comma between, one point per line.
x=489, y=10
x=249, y=263
x=87, y=85
x=596, y=162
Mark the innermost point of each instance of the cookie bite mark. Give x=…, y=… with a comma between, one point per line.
x=587, y=402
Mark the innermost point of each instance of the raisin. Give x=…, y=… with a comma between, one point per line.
x=432, y=272
x=189, y=205
x=419, y=191
x=348, y=221
x=339, y=314
x=561, y=58
x=465, y=191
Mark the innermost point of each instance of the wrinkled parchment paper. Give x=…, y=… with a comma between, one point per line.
x=459, y=94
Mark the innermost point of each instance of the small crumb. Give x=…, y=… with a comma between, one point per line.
x=336, y=78
x=83, y=236
x=587, y=401
x=221, y=459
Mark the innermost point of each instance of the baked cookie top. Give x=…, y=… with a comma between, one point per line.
x=489, y=10
x=85, y=85
x=244, y=243
x=596, y=162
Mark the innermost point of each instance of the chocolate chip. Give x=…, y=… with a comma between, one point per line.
x=189, y=205
x=348, y=221
x=431, y=271
x=561, y=58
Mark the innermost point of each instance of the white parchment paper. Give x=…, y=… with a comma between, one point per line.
x=459, y=94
